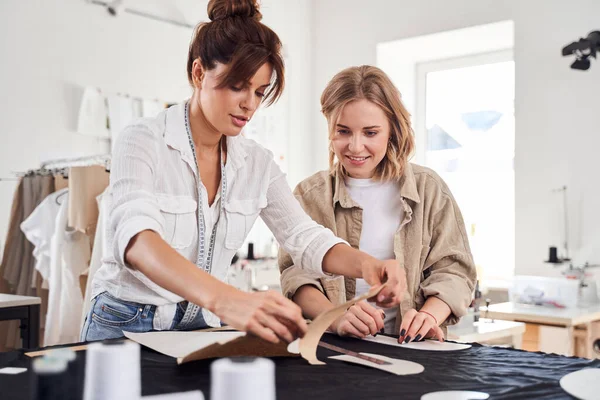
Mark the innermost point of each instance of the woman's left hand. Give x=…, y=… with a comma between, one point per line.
x=418, y=325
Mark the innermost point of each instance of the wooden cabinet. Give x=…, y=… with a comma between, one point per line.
x=567, y=331
x=555, y=339
x=531, y=337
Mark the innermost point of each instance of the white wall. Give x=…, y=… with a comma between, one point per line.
x=291, y=19
x=52, y=48
x=557, y=133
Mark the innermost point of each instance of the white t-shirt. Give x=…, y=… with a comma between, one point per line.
x=382, y=215
x=70, y=256
x=39, y=228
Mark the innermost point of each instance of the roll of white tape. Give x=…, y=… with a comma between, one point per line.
x=49, y=379
x=242, y=378
x=112, y=371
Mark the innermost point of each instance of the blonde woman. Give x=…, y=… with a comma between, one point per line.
x=387, y=207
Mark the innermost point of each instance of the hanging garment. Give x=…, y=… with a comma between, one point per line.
x=39, y=228
x=138, y=107
x=38, y=188
x=60, y=182
x=93, y=114
x=85, y=184
x=11, y=238
x=97, y=251
x=120, y=114
x=18, y=260
x=18, y=263
x=70, y=256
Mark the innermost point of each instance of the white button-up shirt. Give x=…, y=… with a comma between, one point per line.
x=154, y=186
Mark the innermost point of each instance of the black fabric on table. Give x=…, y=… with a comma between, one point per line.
x=503, y=373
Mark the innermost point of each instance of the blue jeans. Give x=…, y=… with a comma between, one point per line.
x=109, y=317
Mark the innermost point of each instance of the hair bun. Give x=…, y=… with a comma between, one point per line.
x=219, y=10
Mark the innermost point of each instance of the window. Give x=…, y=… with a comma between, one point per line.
x=465, y=131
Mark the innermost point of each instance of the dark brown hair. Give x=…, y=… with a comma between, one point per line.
x=236, y=37
x=372, y=84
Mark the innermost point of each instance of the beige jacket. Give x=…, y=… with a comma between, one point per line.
x=431, y=245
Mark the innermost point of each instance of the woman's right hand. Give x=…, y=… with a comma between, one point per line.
x=268, y=315
x=361, y=320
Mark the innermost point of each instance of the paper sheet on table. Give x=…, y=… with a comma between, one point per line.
x=308, y=344
x=583, y=384
x=431, y=345
x=397, y=367
x=12, y=371
x=199, y=345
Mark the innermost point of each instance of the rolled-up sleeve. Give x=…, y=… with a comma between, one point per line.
x=293, y=278
x=449, y=268
x=306, y=241
x=134, y=205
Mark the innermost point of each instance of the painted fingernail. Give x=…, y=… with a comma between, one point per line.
x=417, y=338
x=382, y=330
x=407, y=339
x=403, y=332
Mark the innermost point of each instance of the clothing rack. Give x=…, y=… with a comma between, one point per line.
x=61, y=164
x=99, y=159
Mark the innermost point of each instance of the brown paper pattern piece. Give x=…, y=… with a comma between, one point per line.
x=203, y=344
x=308, y=344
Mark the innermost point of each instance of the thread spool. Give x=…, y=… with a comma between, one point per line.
x=49, y=378
x=73, y=373
x=250, y=255
x=112, y=371
x=242, y=378
x=553, y=255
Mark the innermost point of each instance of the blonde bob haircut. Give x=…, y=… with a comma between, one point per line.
x=372, y=84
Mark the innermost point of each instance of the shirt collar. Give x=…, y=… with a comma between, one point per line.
x=408, y=189
x=176, y=137
x=175, y=132
x=408, y=184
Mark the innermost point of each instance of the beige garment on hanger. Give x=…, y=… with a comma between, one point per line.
x=18, y=263
x=85, y=184
x=60, y=182
x=11, y=237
